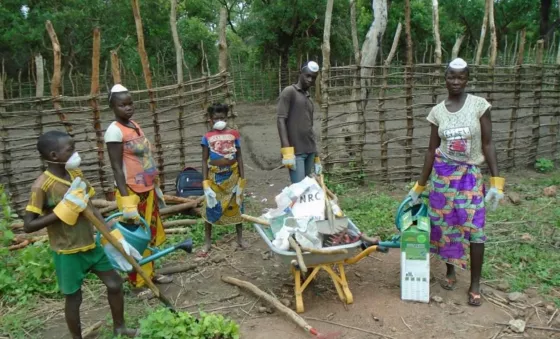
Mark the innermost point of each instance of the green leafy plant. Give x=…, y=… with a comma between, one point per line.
x=164, y=324
x=544, y=165
x=24, y=272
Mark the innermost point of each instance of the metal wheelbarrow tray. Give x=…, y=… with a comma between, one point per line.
x=333, y=264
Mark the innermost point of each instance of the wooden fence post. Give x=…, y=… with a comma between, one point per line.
x=94, y=102
x=516, y=100
x=55, y=83
x=537, y=103
x=326, y=50
x=148, y=80
x=115, y=69
x=408, y=86
x=180, y=89
x=381, y=102
x=39, y=93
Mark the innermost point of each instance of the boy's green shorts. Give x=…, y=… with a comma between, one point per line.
x=71, y=269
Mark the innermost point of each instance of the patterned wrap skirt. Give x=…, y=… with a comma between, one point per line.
x=456, y=209
x=223, y=180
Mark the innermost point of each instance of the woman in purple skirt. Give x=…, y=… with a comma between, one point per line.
x=460, y=141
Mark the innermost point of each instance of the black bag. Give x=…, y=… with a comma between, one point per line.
x=189, y=183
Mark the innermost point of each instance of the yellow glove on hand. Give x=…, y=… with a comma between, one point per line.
x=318, y=166
x=415, y=192
x=288, y=157
x=209, y=193
x=241, y=183
x=74, y=202
x=129, y=207
x=117, y=256
x=495, y=193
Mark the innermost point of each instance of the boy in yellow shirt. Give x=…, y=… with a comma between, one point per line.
x=58, y=196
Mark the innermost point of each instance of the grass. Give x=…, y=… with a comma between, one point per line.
x=523, y=247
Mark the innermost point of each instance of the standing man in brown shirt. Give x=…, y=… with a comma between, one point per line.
x=295, y=126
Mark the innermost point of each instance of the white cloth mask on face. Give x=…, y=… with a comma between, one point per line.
x=74, y=161
x=220, y=125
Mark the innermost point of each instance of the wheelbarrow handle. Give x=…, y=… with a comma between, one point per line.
x=255, y=220
x=364, y=254
x=100, y=226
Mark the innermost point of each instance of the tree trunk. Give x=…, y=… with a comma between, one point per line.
x=435, y=24
x=493, y=38
x=457, y=46
x=482, y=35
x=353, y=26
x=222, y=46
x=370, y=48
x=176, y=42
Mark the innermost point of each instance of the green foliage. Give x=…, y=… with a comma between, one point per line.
x=26, y=272
x=522, y=245
x=162, y=323
x=544, y=165
x=373, y=213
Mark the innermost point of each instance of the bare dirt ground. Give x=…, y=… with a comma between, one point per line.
x=374, y=281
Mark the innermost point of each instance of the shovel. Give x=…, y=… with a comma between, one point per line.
x=332, y=225
x=100, y=226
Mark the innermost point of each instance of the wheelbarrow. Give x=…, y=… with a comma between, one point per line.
x=416, y=210
x=139, y=236
x=333, y=264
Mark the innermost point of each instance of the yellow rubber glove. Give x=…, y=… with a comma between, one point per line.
x=129, y=207
x=241, y=183
x=318, y=166
x=210, y=195
x=496, y=192
x=74, y=202
x=114, y=253
x=415, y=192
x=288, y=157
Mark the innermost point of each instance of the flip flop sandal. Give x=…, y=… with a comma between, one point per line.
x=475, y=299
x=449, y=284
x=163, y=279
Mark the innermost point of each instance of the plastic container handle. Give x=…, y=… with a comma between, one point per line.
x=405, y=206
x=118, y=214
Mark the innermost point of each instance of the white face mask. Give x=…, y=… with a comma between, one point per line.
x=74, y=161
x=220, y=125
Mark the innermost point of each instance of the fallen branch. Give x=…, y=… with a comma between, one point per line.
x=274, y=302
x=176, y=223
x=92, y=329
x=552, y=329
x=19, y=246
x=407, y=325
x=221, y=308
x=350, y=327
x=177, y=230
x=100, y=203
x=178, y=208
x=171, y=199
x=176, y=269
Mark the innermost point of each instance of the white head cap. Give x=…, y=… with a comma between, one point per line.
x=458, y=64
x=312, y=66
x=118, y=88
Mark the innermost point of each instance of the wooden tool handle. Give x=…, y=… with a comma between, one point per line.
x=255, y=220
x=299, y=255
x=100, y=226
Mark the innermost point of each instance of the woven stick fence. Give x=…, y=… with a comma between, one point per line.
x=173, y=118
x=525, y=113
